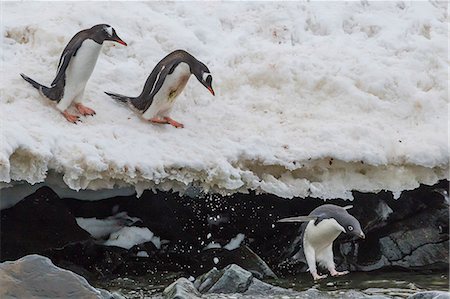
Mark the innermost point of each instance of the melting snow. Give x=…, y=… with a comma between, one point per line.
x=312, y=99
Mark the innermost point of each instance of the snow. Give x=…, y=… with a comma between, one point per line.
x=235, y=242
x=212, y=245
x=99, y=228
x=127, y=237
x=312, y=99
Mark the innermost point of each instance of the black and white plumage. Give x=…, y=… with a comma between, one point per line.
x=323, y=225
x=166, y=81
x=75, y=66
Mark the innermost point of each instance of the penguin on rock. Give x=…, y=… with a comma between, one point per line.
x=166, y=81
x=324, y=225
x=75, y=66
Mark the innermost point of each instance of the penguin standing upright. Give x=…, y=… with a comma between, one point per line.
x=74, y=69
x=324, y=225
x=166, y=81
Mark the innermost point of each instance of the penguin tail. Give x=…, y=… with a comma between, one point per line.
x=43, y=90
x=119, y=97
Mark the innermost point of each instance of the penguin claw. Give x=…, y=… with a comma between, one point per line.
x=173, y=122
x=85, y=111
x=71, y=118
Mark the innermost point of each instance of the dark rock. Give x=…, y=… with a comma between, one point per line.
x=35, y=276
x=181, y=289
x=89, y=259
x=39, y=222
x=430, y=295
x=231, y=279
x=207, y=280
x=259, y=288
x=242, y=256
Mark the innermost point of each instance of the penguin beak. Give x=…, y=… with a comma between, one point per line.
x=362, y=235
x=211, y=90
x=117, y=39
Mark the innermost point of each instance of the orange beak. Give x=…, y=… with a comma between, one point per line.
x=211, y=91
x=120, y=41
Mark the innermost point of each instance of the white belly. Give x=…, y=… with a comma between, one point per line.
x=78, y=72
x=172, y=87
x=323, y=234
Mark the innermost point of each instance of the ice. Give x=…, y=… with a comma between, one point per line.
x=127, y=237
x=235, y=242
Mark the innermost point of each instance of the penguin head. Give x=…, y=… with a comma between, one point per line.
x=104, y=32
x=202, y=73
x=347, y=223
x=352, y=226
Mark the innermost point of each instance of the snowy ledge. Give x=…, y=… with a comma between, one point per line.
x=312, y=99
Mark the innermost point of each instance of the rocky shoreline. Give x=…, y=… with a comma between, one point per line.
x=195, y=235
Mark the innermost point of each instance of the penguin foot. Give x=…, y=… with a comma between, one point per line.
x=337, y=273
x=84, y=110
x=71, y=118
x=173, y=123
x=166, y=120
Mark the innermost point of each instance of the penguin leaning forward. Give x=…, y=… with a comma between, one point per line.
x=166, y=81
x=323, y=225
x=75, y=66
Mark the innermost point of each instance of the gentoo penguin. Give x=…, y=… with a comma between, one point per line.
x=74, y=69
x=324, y=225
x=165, y=83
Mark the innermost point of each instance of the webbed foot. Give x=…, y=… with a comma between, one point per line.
x=84, y=110
x=71, y=118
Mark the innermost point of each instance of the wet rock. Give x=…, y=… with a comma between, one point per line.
x=242, y=256
x=430, y=295
x=260, y=288
x=412, y=243
x=181, y=289
x=35, y=276
x=39, y=222
x=231, y=279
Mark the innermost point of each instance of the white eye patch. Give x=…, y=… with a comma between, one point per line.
x=108, y=30
x=204, y=76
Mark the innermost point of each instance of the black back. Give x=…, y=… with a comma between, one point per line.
x=155, y=82
x=96, y=33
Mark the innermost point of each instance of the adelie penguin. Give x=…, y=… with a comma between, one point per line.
x=165, y=83
x=324, y=225
x=74, y=69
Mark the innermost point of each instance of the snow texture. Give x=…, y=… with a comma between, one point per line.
x=312, y=99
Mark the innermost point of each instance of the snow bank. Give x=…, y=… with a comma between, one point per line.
x=311, y=98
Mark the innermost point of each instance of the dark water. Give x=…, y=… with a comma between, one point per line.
x=392, y=284
x=396, y=284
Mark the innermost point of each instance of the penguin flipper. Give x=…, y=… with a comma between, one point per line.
x=50, y=93
x=298, y=219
